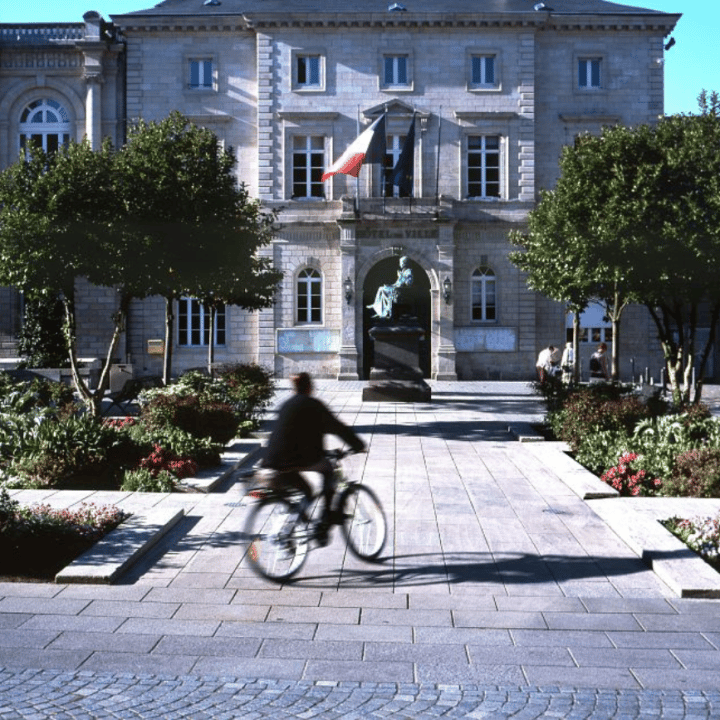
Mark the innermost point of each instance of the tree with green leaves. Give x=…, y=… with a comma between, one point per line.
x=201, y=230
x=57, y=224
x=635, y=217
x=163, y=215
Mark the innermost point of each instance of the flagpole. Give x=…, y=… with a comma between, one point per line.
x=357, y=179
x=437, y=165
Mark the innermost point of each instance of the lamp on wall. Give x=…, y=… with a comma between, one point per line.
x=348, y=287
x=447, y=287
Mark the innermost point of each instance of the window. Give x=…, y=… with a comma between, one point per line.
x=589, y=73
x=594, y=325
x=395, y=70
x=201, y=73
x=308, y=71
x=483, y=166
x=46, y=124
x=482, y=71
x=482, y=286
x=194, y=324
x=309, y=296
x=393, y=149
x=308, y=165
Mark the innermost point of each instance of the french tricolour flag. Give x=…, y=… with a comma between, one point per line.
x=369, y=147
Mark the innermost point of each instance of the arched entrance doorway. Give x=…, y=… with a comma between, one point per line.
x=417, y=299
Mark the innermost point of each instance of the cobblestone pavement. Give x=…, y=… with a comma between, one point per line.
x=502, y=594
x=65, y=696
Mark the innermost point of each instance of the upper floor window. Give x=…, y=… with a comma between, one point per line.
x=396, y=71
x=201, y=73
x=46, y=124
x=308, y=165
x=308, y=71
x=483, y=166
x=482, y=288
x=482, y=71
x=194, y=323
x=309, y=296
x=589, y=73
x=393, y=149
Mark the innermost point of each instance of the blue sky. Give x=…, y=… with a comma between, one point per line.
x=691, y=65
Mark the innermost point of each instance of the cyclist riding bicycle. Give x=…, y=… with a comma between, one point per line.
x=296, y=442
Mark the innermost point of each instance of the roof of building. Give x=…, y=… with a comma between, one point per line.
x=409, y=7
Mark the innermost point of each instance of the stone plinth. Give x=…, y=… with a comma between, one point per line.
x=395, y=375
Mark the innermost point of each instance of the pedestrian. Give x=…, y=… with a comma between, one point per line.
x=598, y=364
x=546, y=361
x=568, y=363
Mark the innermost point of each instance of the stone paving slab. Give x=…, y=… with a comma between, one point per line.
x=502, y=593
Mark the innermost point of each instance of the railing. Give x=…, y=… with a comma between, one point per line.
x=41, y=34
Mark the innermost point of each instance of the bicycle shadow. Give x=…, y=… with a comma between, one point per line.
x=468, y=569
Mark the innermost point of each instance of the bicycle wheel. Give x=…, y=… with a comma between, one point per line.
x=277, y=539
x=363, y=524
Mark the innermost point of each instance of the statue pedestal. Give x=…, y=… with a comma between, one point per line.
x=395, y=375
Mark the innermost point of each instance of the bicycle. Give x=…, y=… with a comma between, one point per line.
x=280, y=528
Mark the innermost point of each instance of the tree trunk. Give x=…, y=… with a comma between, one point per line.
x=576, y=347
x=167, y=354
x=92, y=399
x=211, y=340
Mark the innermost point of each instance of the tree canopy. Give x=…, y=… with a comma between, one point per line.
x=163, y=215
x=635, y=217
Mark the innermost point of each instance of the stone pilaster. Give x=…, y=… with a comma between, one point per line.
x=351, y=310
x=444, y=337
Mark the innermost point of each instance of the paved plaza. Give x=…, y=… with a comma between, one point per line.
x=501, y=593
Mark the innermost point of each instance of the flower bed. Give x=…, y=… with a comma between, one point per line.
x=47, y=441
x=700, y=534
x=644, y=447
x=37, y=541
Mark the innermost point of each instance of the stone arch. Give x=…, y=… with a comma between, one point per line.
x=379, y=269
x=21, y=95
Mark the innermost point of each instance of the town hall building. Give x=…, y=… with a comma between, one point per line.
x=489, y=92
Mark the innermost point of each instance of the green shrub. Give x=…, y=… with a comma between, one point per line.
x=143, y=480
x=659, y=441
x=696, y=474
x=199, y=415
x=52, y=450
x=600, y=449
x=595, y=408
x=174, y=440
x=250, y=388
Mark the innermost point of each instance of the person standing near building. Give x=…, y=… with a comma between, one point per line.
x=599, y=365
x=568, y=363
x=547, y=359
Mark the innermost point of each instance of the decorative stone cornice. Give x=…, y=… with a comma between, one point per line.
x=480, y=20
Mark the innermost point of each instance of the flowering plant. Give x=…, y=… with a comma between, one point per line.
x=85, y=521
x=160, y=460
x=627, y=482
x=700, y=534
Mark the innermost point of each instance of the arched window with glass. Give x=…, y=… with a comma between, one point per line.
x=309, y=296
x=44, y=123
x=484, y=294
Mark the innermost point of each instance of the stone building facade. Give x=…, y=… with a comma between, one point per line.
x=494, y=92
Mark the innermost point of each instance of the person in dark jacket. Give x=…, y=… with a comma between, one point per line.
x=296, y=442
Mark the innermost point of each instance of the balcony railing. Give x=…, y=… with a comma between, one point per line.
x=41, y=34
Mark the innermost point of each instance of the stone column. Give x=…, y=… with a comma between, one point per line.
x=443, y=366
x=350, y=310
x=93, y=128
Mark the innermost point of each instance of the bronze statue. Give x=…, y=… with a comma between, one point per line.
x=387, y=295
